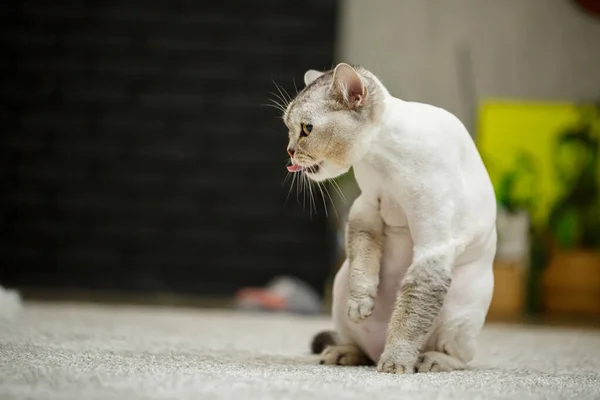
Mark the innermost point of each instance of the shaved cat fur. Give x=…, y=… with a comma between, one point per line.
x=415, y=289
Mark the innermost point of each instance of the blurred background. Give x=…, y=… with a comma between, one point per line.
x=140, y=163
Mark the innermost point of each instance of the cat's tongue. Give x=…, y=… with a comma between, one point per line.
x=294, y=168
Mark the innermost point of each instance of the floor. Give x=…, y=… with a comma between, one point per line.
x=71, y=351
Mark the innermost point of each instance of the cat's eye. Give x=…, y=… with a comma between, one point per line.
x=306, y=130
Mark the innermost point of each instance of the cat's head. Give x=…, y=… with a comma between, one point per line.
x=330, y=121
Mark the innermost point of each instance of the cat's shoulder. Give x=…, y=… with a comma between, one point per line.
x=421, y=116
x=427, y=110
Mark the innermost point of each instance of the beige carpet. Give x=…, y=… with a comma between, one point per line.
x=85, y=352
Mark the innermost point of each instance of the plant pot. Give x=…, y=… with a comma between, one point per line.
x=510, y=265
x=571, y=284
x=508, y=300
x=513, y=236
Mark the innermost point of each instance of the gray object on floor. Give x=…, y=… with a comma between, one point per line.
x=297, y=295
x=10, y=305
x=80, y=352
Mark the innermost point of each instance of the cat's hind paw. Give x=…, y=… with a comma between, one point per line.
x=434, y=361
x=344, y=354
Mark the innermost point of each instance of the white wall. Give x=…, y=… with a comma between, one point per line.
x=525, y=49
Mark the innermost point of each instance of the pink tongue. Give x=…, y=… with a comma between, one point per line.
x=294, y=168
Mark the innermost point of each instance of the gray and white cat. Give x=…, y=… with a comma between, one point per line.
x=421, y=237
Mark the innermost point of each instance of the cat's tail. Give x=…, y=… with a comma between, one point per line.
x=321, y=340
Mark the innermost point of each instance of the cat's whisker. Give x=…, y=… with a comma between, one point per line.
x=291, y=187
x=272, y=103
x=288, y=95
x=338, y=189
x=282, y=100
x=295, y=87
x=282, y=90
x=335, y=185
x=303, y=179
x=287, y=176
x=280, y=116
x=308, y=193
x=298, y=189
x=312, y=196
x=323, y=188
x=331, y=200
x=286, y=101
x=323, y=197
x=277, y=105
x=307, y=185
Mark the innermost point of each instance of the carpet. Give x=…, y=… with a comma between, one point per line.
x=89, y=352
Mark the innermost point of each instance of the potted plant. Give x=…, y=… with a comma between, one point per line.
x=516, y=193
x=571, y=282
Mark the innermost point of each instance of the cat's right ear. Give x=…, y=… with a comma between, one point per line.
x=311, y=75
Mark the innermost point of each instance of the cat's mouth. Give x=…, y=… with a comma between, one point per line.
x=312, y=169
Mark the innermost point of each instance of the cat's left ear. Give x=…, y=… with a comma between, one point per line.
x=348, y=85
x=311, y=75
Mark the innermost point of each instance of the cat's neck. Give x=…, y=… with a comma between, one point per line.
x=378, y=95
x=376, y=148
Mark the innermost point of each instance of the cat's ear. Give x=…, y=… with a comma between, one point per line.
x=311, y=75
x=348, y=86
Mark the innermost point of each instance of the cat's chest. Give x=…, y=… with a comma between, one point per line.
x=385, y=190
x=392, y=214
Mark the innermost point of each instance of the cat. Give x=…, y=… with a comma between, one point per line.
x=414, y=291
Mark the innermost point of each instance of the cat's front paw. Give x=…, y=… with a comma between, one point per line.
x=398, y=358
x=360, y=307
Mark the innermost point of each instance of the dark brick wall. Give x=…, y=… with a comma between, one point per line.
x=135, y=153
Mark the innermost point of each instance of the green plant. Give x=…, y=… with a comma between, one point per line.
x=517, y=188
x=574, y=219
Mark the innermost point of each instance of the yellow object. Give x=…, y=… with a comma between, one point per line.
x=509, y=130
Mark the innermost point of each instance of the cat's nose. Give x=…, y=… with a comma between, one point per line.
x=291, y=151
